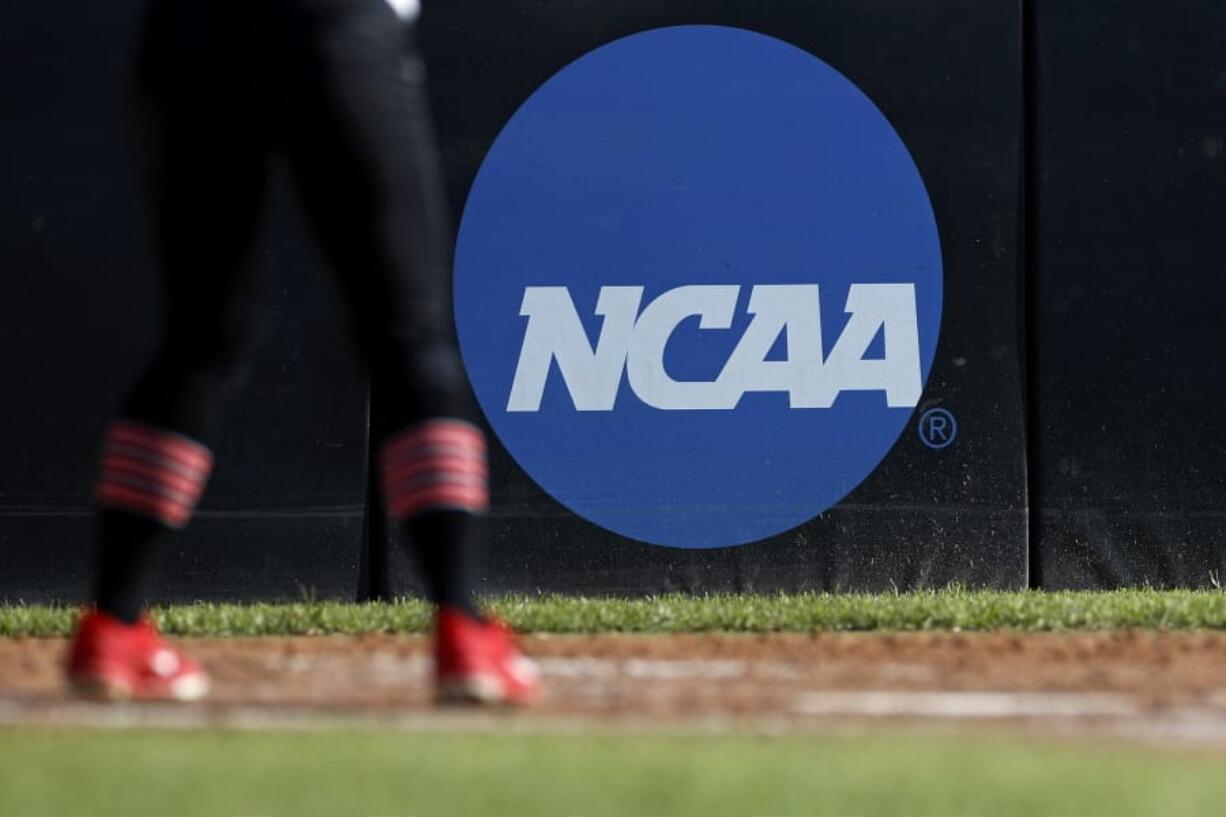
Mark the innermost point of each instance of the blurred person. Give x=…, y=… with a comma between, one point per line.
x=336, y=87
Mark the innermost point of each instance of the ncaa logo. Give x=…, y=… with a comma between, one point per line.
x=698, y=286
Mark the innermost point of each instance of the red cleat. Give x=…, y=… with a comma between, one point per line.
x=477, y=662
x=113, y=661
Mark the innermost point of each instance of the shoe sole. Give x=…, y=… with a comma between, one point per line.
x=100, y=689
x=183, y=690
x=475, y=690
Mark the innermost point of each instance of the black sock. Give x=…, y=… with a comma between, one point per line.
x=130, y=550
x=446, y=544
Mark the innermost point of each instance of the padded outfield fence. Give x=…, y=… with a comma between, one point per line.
x=1068, y=432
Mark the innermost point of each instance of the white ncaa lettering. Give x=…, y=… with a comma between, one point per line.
x=636, y=343
x=555, y=333
x=890, y=308
x=715, y=306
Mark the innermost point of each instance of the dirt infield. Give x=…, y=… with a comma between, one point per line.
x=1167, y=686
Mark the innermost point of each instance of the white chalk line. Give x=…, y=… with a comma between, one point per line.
x=1068, y=715
x=965, y=705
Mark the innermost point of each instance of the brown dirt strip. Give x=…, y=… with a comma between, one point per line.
x=1133, y=683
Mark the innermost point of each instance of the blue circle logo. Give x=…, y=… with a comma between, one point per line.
x=698, y=286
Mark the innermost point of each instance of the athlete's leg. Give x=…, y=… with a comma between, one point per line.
x=204, y=159
x=362, y=150
x=204, y=153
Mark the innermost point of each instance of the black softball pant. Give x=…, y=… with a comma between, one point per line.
x=336, y=88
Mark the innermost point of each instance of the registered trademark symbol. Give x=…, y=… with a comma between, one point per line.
x=937, y=428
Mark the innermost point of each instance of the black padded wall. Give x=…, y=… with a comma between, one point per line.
x=1130, y=345
x=77, y=320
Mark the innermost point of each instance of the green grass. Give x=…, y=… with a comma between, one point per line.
x=952, y=609
x=53, y=774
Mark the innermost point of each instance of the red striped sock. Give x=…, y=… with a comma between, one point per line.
x=152, y=472
x=436, y=465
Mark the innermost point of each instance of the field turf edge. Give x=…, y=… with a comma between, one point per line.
x=954, y=609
